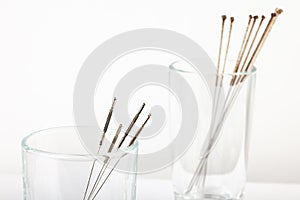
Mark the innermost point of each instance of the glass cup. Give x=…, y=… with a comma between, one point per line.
x=214, y=165
x=57, y=166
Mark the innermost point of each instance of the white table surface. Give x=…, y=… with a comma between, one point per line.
x=151, y=189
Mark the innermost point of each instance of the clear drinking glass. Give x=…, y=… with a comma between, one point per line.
x=57, y=166
x=214, y=166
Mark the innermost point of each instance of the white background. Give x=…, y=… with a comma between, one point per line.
x=44, y=43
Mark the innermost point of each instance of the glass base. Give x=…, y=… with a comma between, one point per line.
x=204, y=197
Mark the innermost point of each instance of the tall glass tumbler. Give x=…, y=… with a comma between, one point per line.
x=57, y=166
x=214, y=165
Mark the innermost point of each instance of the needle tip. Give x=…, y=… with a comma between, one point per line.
x=278, y=11
x=231, y=19
x=114, y=102
x=255, y=17
x=263, y=17
x=141, y=109
x=223, y=17
x=149, y=115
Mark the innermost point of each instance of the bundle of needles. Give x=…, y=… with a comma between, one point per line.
x=90, y=194
x=244, y=64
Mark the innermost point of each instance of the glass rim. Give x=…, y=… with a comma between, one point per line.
x=70, y=156
x=250, y=72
